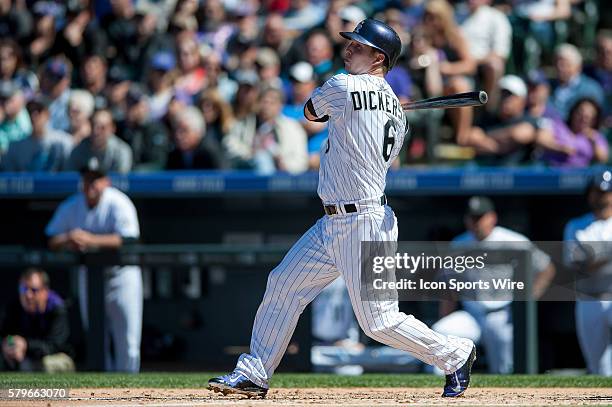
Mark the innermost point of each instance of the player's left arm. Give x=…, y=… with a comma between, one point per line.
x=327, y=100
x=311, y=115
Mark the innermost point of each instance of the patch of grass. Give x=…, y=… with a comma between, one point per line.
x=288, y=380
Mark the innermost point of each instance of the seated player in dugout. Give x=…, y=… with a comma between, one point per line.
x=35, y=328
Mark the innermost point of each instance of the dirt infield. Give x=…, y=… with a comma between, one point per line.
x=329, y=397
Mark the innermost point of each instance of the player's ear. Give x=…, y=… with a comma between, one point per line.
x=380, y=59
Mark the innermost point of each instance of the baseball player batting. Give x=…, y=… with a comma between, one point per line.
x=366, y=129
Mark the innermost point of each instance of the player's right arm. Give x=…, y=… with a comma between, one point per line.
x=327, y=100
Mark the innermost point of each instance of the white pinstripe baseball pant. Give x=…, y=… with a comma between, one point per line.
x=328, y=249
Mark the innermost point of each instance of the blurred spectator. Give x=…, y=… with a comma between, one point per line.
x=241, y=47
x=245, y=59
x=191, y=77
x=455, y=61
x=268, y=141
x=121, y=28
x=601, y=71
x=507, y=136
x=570, y=84
x=551, y=125
x=112, y=153
x=148, y=42
x=14, y=120
x=538, y=100
x=424, y=63
x=41, y=43
x=161, y=9
x=341, y=17
x=45, y=149
x=159, y=83
x=536, y=18
x=490, y=39
x=275, y=35
x=182, y=25
x=15, y=22
x=93, y=79
x=185, y=8
x=13, y=69
x=582, y=144
x=543, y=10
x=55, y=84
x=35, y=329
x=245, y=101
x=174, y=107
x=82, y=34
x=148, y=140
x=81, y=106
x=218, y=115
x=303, y=83
x=424, y=70
x=304, y=14
x=268, y=67
x=103, y=218
x=214, y=24
x=217, y=77
x=412, y=12
x=192, y=148
x=117, y=87
x=320, y=54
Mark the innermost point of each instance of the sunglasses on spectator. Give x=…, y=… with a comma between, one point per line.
x=23, y=289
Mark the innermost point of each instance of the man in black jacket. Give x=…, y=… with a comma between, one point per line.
x=34, y=326
x=149, y=140
x=192, y=149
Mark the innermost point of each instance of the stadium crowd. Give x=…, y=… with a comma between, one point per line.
x=146, y=85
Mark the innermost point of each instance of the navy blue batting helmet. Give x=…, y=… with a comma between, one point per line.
x=377, y=35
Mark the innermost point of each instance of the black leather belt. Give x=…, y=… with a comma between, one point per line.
x=348, y=208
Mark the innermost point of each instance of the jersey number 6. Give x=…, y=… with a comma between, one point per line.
x=389, y=140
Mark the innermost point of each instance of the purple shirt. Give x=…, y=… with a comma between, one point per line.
x=400, y=81
x=583, y=148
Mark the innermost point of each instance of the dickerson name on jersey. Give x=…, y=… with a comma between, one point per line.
x=376, y=100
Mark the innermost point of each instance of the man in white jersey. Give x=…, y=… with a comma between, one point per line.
x=366, y=130
x=588, y=248
x=102, y=217
x=491, y=320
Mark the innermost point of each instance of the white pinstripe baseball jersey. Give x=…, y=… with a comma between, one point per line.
x=366, y=131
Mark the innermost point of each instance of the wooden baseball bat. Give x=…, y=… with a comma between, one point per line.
x=446, y=102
